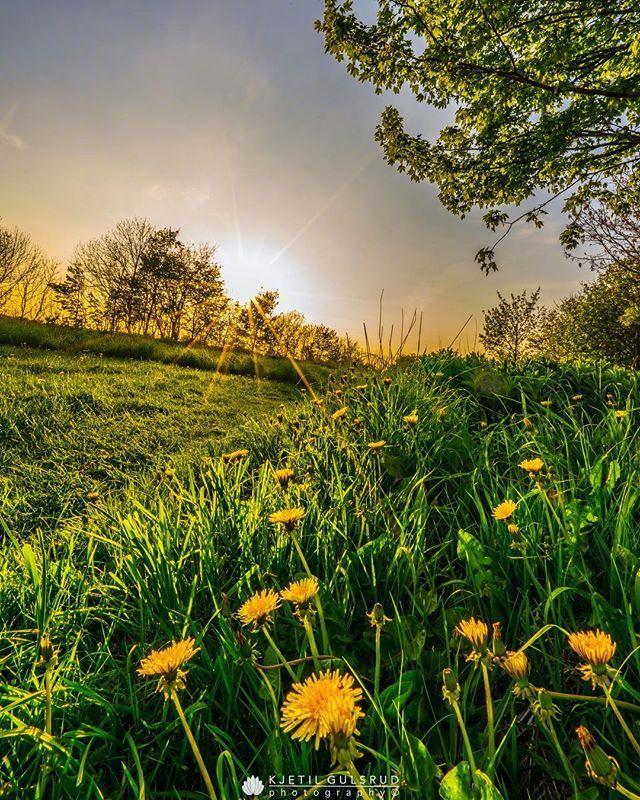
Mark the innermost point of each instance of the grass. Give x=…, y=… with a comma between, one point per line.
x=409, y=526
x=75, y=425
x=60, y=338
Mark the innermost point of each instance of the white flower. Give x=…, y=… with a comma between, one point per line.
x=253, y=786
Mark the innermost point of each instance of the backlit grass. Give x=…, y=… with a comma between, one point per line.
x=432, y=581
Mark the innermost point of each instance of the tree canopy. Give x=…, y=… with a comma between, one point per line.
x=545, y=95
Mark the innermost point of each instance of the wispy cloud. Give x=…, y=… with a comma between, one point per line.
x=6, y=135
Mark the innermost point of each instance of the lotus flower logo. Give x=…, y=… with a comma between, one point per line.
x=253, y=786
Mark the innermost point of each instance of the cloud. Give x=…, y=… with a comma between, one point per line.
x=12, y=139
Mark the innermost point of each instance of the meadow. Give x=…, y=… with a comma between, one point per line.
x=448, y=525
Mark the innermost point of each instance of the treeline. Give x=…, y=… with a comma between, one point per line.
x=602, y=320
x=138, y=278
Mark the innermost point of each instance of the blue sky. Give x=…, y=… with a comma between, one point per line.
x=225, y=118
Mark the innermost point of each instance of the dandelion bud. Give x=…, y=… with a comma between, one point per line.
x=377, y=617
x=499, y=650
x=450, y=687
x=601, y=767
x=48, y=655
x=225, y=611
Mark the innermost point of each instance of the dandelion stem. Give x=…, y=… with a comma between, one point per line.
x=194, y=747
x=465, y=736
x=312, y=643
x=595, y=699
x=358, y=781
x=278, y=652
x=303, y=560
x=48, y=712
x=376, y=680
x=621, y=720
x=490, y=721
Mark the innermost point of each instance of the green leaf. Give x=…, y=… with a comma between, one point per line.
x=456, y=784
x=421, y=771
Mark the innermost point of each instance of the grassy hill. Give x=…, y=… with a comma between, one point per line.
x=416, y=523
x=60, y=338
x=72, y=425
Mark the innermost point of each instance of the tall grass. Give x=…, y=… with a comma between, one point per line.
x=408, y=526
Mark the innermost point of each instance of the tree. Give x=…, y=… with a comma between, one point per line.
x=607, y=224
x=601, y=321
x=546, y=95
x=512, y=328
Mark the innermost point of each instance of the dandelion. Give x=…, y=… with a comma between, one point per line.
x=577, y=398
x=258, y=610
x=386, y=381
x=532, y=464
x=505, y=510
x=308, y=711
x=93, y=497
x=361, y=387
x=168, y=664
x=376, y=446
x=341, y=412
x=527, y=423
x=357, y=422
x=338, y=392
x=546, y=403
x=234, y=455
x=516, y=665
x=377, y=617
x=289, y=517
x=497, y=645
x=513, y=529
x=442, y=412
x=620, y=413
x=283, y=476
x=476, y=632
x=411, y=419
x=600, y=767
x=597, y=648
x=301, y=592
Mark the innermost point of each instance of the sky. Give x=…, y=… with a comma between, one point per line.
x=226, y=119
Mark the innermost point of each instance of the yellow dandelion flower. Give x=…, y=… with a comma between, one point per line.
x=258, y=610
x=168, y=664
x=301, y=592
x=620, y=413
x=376, y=445
x=516, y=665
x=411, y=419
x=283, y=476
x=476, y=632
x=577, y=398
x=289, y=517
x=513, y=529
x=361, y=387
x=597, y=648
x=527, y=423
x=341, y=412
x=546, y=403
x=442, y=412
x=504, y=510
x=306, y=712
x=234, y=455
x=532, y=464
